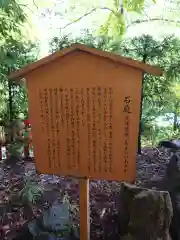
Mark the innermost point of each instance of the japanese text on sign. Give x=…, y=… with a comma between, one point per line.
x=127, y=112
x=72, y=111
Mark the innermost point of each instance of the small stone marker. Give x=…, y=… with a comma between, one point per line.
x=55, y=219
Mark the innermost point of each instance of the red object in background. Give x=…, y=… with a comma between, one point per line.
x=26, y=122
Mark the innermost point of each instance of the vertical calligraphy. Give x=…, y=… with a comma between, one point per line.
x=82, y=107
x=94, y=132
x=46, y=101
x=88, y=128
x=127, y=112
x=67, y=119
x=110, y=128
x=57, y=125
x=61, y=99
x=52, y=127
x=73, y=130
x=77, y=110
x=99, y=130
x=68, y=113
x=42, y=111
x=105, y=129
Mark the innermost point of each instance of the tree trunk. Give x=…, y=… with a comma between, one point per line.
x=175, y=122
x=10, y=102
x=10, y=106
x=140, y=121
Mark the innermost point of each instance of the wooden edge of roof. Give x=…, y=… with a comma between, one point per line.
x=117, y=58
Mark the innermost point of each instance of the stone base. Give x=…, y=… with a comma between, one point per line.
x=146, y=213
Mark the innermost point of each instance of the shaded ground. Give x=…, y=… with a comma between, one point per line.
x=103, y=195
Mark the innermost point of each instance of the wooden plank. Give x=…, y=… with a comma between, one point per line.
x=84, y=209
x=81, y=47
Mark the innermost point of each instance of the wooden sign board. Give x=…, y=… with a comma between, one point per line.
x=84, y=107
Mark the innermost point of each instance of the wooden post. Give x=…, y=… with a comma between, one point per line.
x=0, y=152
x=84, y=209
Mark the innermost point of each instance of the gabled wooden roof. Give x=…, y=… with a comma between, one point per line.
x=81, y=47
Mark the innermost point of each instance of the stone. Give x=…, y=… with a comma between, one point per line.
x=147, y=213
x=57, y=217
x=172, y=184
x=54, y=220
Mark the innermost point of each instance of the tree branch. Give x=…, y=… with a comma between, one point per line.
x=111, y=10
x=145, y=13
x=35, y=4
x=87, y=14
x=153, y=20
x=24, y=5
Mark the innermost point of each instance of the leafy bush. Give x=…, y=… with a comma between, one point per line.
x=16, y=149
x=157, y=134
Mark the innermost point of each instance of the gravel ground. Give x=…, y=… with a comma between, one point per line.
x=151, y=166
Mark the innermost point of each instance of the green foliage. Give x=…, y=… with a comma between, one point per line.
x=103, y=43
x=157, y=134
x=16, y=149
x=11, y=18
x=156, y=91
x=15, y=52
x=134, y=5
x=18, y=55
x=114, y=26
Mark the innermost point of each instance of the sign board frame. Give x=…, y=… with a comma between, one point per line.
x=99, y=66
